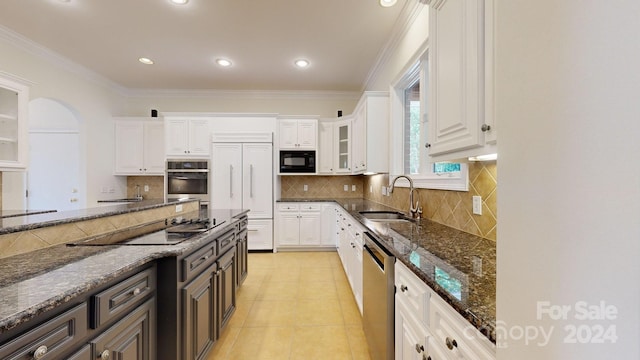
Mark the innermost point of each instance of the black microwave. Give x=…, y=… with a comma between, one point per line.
x=297, y=161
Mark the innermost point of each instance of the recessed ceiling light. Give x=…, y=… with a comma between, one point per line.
x=388, y=3
x=179, y=2
x=223, y=62
x=302, y=63
x=146, y=61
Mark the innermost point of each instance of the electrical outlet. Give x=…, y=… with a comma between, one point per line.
x=384, y=190
x=146, y=188
x=477, y=265
x=370, y=189
x=305, y=187
x=353, y=188
x=477, y=205
x=179, y=208
x=346, y=188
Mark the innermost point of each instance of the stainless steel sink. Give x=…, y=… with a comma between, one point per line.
x=384, y=216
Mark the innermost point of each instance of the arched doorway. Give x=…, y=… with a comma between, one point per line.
x=53, y=176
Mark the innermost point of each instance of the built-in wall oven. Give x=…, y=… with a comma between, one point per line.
x=188, y=179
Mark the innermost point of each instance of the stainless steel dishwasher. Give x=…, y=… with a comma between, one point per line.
x=378, y=298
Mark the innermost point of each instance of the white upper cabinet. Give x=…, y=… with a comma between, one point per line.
x=139, y=147
x=298, y=134
x=187, y=137
x=325, y=148
x=460, y=78
x=14, y=99
x=342, y=145
x=370, y=131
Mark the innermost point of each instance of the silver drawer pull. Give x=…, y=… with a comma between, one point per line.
x=105, y=355
x=419, y=348
x=40, y=352
x=404, y=288
x=136, y=291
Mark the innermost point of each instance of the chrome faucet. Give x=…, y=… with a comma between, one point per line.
x=415, y=211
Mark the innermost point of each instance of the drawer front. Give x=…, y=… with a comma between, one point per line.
x=199, y=260
x=457, y=336
x=412, y=292
x=310, y=207
x=82, y=354
x=51, y=339
x=121, y=297
x=226, y=242
x=287, y=207
x=243, y=223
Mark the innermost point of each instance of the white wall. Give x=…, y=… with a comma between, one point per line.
x=93, y=103
x=567, y=85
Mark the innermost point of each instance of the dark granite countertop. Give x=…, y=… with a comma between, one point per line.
x=14, y=213
x=460, y=267
x=33, y=283
x=34, y=221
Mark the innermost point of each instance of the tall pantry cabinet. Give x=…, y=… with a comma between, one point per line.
x=242, y=177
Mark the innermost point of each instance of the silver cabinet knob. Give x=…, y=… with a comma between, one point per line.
x=404, y=288
x=451, y=343
x=427, y=145
x=40, y=352
x=419, y=348
x=485, y=127
x=136, y=291
x=105, y=355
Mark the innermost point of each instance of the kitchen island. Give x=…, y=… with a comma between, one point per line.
x=46, y=284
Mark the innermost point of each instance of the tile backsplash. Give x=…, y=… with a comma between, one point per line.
x=451, y=208
x=155, y=183
x=321, y=187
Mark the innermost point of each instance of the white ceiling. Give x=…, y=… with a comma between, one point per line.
x=342, y=38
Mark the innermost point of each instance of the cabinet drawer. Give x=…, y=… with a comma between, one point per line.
x=412, y=292
x=82, y=354
x=243, y=223
x=310, y=207
x=199, y=260
x=226, y=242
x=454, y=334
x=121, y=297
x=287, y=207
x=53, y=338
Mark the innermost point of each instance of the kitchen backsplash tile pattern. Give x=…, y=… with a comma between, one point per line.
x=451, y=208
x=155, y=183
x=26, y=241
x=321, y=187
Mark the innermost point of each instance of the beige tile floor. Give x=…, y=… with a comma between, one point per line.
x=294, y=306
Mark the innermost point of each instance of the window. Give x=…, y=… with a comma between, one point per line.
x=410, y=133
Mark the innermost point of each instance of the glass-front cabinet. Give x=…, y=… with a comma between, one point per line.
x=343, y=144
x=14, y=98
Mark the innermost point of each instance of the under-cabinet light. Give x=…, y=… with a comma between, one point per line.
x=487, y=157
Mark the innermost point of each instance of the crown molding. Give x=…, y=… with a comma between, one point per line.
x=410, y=12
x=246, y=94
x=56, y=59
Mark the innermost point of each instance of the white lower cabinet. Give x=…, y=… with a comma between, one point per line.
x=260, y=234
x=427, y=328
x=349, y=245
x=298, y=225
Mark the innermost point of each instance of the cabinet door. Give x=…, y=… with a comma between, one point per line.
x=359, y=135
x=199, y=309
x=14, y=106
x=310, y=229
x=258, y=180
x=199, y=137
x=226, y=176
x=226, y=288
x=325, y=148
x=288, y=229
x=328, y=235
x=129, y=147
x=242, y=257
x=455, y=88
x=411, y=340
x=342, y=151
x=153, y=151
x=260, y=235
x=288, y=134
x=176, y=136
x=308, y=134
x=132, y=338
